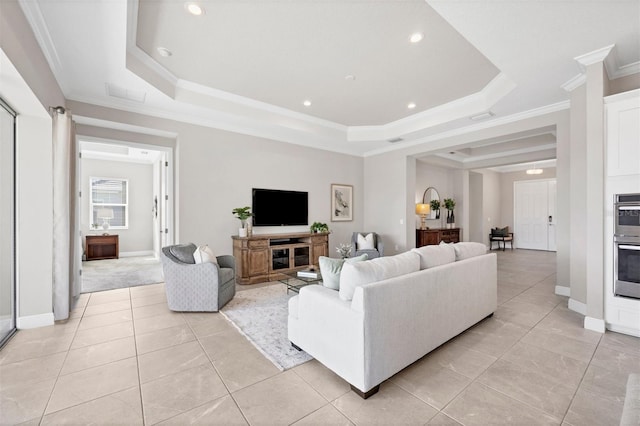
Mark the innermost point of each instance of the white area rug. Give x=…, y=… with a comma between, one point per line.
x=261, y=315
x=107, y=274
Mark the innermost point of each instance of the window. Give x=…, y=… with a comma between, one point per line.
x=109, y=202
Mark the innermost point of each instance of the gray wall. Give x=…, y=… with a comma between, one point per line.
x=139, y=236
x=216, y=171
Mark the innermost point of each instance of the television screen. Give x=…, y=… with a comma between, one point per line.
x=273, y=207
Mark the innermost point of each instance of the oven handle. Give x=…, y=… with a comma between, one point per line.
x=622, y=207
x=628, y=247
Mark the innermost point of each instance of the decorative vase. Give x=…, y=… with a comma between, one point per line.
x=242, y=232
x=450, y=219
x=438, y=214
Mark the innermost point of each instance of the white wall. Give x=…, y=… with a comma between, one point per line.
x=139, y=235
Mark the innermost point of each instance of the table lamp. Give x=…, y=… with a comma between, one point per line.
x=105, y=215
x=423, y=210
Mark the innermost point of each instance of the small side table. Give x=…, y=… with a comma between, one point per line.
x=102, y=247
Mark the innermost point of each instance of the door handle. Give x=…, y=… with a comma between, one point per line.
x=550, y=219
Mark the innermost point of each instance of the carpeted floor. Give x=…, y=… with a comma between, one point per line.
x=261, y=315
x=108, y=274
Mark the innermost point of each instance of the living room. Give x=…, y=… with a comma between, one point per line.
x=220, y=156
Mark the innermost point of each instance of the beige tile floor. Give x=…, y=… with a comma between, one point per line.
x=124, y=358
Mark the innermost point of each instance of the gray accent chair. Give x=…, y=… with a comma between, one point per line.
x=203, y=287
x=378, y=250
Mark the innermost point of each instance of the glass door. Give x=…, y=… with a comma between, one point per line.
x=7, y=224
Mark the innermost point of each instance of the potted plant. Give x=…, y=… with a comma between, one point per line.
x=435, y=206
x=242, y=213
x=450, y=204
x=318, y=227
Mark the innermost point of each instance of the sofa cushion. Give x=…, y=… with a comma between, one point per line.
x=204, y=254
x=365, y=242
x=183, y=252
x=431, y=256
x=469, y=249
x=331, y=268
x=356, y=274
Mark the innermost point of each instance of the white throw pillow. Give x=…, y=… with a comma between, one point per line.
x=357, y=274
x=469, y=249
x=204, y=254
x=365, y=242
x=331, y=268
x=431, y=256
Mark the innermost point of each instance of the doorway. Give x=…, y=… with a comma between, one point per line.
x=7, y=223
x=535, y=214
x=135, y=182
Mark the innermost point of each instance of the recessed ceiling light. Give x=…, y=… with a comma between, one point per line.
x=194, y=8
x=350, y=77
x=307, y=103
x=416, y=37
x=164, y=52
x=411, y=105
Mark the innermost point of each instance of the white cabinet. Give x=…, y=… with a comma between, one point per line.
x=623, y=133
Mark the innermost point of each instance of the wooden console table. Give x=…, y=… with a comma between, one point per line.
x=427, y=237
x=102, y=247
x=262, y=258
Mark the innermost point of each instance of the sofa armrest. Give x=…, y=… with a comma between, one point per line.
x=227, y=261
x=318, y=300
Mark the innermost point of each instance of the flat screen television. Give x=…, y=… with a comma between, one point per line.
x=272, y=207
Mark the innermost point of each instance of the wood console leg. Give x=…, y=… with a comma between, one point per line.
x=367, y=394
x=297, y=347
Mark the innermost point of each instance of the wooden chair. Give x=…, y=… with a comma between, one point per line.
x=508, y=238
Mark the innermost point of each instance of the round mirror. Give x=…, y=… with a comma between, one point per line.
x=431, y=194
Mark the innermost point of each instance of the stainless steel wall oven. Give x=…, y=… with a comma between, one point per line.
x=627, y=246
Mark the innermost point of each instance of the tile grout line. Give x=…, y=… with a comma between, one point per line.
x=582, y=379
x=44, y=411
x=217, y=372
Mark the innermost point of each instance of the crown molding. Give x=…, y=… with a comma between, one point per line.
x=615, y=70
x=598, y=55
x=476, y=103
x=32, y=12
x=532, y=113
x=230, y=122
x=575, y=82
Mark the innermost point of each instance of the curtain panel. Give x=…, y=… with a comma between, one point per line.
x=66, y=235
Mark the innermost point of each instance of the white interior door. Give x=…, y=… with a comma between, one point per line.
x=535, y=205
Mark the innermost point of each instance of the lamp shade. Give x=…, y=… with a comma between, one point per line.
x=105, y=213
x=422, y=209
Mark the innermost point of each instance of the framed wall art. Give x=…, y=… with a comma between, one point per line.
x=341, y=202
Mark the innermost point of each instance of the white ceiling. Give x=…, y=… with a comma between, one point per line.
x=246, y=66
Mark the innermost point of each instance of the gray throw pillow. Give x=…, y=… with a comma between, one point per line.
x=500, y=232
x=183, y=252
x=331, y=268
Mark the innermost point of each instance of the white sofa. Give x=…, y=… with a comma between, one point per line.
x=422, y=300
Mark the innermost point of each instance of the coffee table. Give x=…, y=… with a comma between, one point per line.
x=295, y=283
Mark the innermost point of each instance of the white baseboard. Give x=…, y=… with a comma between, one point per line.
x=563, y=291
x=594, y=324
x=578, y=307
x=35, y=321
x=623, y=330
x=136, y=253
